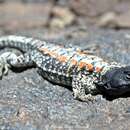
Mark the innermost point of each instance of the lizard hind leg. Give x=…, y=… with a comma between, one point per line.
x=11, y=60
x=4, y=66
x=20, y=61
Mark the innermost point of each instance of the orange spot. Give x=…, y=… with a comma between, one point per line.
x=74, y=62
x=45, y=50
x=87, y=65
x=82, y=64
x=53, y=54
x=90, y=67
x=98, y=69
x=62, y=58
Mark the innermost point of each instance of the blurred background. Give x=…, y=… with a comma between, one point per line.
x=49, y=17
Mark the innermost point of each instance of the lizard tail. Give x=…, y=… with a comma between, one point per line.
x=21, y=43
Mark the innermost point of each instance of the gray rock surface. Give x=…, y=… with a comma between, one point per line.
x=29, y=102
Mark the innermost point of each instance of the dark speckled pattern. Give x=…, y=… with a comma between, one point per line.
x=66, y=66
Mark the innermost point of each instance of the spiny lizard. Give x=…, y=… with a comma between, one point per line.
x=86, y=73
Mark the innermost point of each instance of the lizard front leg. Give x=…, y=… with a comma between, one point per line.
x=82, y=90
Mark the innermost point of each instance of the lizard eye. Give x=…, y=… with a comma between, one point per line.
x=128, y=74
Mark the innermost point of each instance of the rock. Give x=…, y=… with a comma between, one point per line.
x=108, y=20
x=62, y=17
x=37, y=1
x=114, y=20
x=92, y=7
x=19, y=16
x=30, y=102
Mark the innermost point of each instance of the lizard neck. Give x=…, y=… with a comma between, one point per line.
x=106, y=67
x=110, y=66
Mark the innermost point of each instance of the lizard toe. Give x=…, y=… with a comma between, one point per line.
x=4, y=68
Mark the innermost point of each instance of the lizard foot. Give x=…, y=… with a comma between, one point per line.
x=85, y=98
x=4, y=67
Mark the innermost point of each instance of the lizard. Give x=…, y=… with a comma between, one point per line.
x=87, y=74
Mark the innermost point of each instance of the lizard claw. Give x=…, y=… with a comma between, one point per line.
x=85, y=98
x=4, y=68
x=90, y=98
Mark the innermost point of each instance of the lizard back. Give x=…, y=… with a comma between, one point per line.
x=61, y=63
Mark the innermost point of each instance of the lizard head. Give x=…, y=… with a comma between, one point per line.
x=115, y=82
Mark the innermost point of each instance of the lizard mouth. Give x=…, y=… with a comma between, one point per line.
x=107, y=89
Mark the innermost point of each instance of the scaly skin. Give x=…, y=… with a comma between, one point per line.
x=65, y=66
